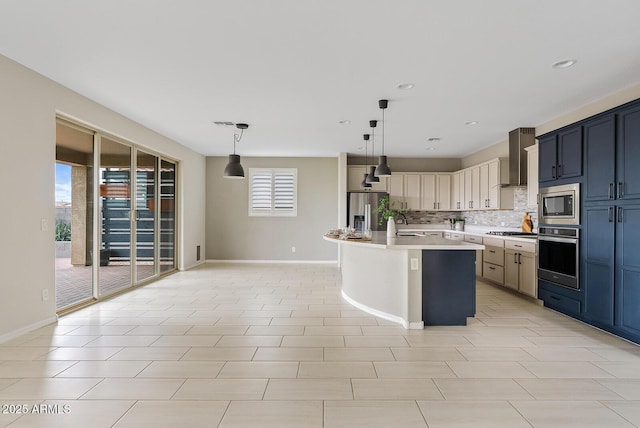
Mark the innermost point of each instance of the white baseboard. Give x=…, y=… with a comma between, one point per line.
x=196, y=264
x=317, y=262
x=389, y=317
x=27, y=329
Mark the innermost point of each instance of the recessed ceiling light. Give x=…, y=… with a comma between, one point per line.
x=344, y=122
x=405, y=86
x=429, y=149
x=471, y=122
x=564, y=63
x=434, y=139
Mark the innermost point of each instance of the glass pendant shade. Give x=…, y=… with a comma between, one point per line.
x=364, y=183
x=371, y=177
x=234, y=168
x=383, y=169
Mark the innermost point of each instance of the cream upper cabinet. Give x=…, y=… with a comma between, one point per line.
x=482, y=187
x=475, y=188
x=429, y=192
x=443, y=186
x=356, y=175
x=412, y=193
x=493, y=183
x=467, y=197
x=471, y=188
x=457, y=191
x=490, y=185
x=532, y=175
x=395, y=187
x=436, y=192
x=404, y=190
x=483, y=201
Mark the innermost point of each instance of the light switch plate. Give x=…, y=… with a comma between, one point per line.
x=414, y=264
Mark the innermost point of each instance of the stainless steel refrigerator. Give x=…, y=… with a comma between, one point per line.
x=362, y=210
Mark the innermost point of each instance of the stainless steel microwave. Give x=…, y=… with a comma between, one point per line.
x=559, y=204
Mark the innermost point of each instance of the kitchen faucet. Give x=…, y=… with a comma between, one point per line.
x=406, y=222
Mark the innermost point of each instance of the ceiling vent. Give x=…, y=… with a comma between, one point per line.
x=224, y=123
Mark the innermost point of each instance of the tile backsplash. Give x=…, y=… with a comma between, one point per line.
x=498, y=218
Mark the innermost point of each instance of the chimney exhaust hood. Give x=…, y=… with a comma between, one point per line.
x=519, y=139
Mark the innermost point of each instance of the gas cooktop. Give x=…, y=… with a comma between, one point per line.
x=506, y=233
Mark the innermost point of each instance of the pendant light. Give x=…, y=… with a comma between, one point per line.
x=383, y=169
x=234, y=168
x=372, y=178
x=364, y=183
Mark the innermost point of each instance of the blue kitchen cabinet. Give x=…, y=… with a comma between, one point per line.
x=600, y=159
x=612, y=156
x=547, y=158
x=560, y=155
x=598, y=242
x=611, y=267
x=627, y=283
x=628, y=153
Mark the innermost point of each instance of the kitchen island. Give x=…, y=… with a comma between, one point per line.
x=413, y=280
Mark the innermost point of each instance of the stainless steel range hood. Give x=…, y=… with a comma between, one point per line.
x=519, y=139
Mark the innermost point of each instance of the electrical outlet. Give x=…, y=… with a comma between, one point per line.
x=293, y=249
x=44, y=226
x=414, y=264
x=45, y=294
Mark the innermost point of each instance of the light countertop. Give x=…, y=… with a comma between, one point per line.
x=380, y=240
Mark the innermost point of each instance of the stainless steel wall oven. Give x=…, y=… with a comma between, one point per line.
x=558, y=256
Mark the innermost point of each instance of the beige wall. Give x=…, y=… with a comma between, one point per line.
x=415, y=164
x=233, y=235
x=501, y=148
x=28, y=108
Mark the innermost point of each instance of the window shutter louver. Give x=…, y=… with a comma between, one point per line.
x=261, y=192
x=273, y=192
x=284, y=191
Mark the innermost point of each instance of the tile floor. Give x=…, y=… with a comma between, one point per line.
x=275, y=346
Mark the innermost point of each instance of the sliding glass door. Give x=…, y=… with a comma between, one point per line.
x=115, y=217
x=74, y=215
x=167, y=216
x=116, y=221
x=145, y=216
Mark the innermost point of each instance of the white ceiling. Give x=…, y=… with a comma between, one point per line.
x=293, y=69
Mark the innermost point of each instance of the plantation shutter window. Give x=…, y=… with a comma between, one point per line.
x=273, y=192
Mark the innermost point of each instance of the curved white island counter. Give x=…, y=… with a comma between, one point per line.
x=412, y=280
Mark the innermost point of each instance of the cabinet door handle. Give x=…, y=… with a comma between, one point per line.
x=492, y=268
x=438, y=205
x=492, y=251
x=519, y=258
x=610, y=214
x=434, y=205
x=516, y=245
x=559, y=171
x=515, y=258
x=620, y=190
x=611, y=190
x=619, y=214
x=554, y=297
x=553, y=172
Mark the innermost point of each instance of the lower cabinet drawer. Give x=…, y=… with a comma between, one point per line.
x=558, y=301
x=494, y=255
x=493, y=272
